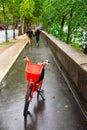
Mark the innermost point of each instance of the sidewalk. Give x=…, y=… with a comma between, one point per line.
x=8, y=55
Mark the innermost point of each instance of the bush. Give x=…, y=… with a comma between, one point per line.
x=76, y=46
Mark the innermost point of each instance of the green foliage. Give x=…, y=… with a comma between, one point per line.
x=58, y=32
x=27, y=8
x=56, y=15
x=6, y=43
x=77, y=46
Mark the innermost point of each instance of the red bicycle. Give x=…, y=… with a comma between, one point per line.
x=35, y=76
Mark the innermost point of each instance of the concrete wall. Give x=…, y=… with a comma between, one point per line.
x=71, y=62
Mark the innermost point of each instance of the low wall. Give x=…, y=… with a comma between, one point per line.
x=71, y=62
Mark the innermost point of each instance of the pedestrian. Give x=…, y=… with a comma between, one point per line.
x=37, y=34
x=30, y=35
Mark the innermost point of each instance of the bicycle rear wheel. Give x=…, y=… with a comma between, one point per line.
x=27, y=102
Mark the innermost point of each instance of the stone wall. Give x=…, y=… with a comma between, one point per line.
x=72, y=63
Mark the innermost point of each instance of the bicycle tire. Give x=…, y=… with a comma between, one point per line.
x=27, y=102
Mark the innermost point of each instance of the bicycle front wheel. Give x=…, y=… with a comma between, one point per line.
x=27, y=102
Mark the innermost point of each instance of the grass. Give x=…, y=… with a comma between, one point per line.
x=11, y=41
x=6, y=43
x=76, y=46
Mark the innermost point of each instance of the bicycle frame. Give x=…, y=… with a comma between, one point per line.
x=33, y=74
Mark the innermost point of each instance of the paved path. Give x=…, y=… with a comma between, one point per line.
x=9, y=54
x=3, y=48
x=59, y=111
x=12, y=41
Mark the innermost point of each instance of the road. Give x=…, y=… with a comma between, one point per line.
x=59, y=111
x=10, y=35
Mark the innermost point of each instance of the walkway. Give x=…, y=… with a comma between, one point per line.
x=59, y=111
x=9, y=54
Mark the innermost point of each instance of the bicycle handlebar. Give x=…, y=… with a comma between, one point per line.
x=26, y=59
x=45, y=62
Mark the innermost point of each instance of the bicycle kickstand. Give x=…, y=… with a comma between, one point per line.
x=40, y=92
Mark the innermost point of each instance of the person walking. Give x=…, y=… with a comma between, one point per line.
x=30, y=35
x=37, y=34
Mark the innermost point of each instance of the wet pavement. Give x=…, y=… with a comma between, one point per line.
x=59, y=111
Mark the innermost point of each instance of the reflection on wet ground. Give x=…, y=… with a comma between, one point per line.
x=59, y=111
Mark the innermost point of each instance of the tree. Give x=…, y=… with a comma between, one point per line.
x=70, y=13
x=26, y=11
x=14, y=12
x=3, y=9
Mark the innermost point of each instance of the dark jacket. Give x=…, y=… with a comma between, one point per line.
x=29, y=33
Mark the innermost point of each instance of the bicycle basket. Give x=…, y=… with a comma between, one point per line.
x=33, y=71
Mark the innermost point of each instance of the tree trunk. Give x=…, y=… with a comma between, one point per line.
x=23, y=25
x=69, y=26
x=62, y=22
x=13, y=28
x=19, y=28
x=19, y=31
x=6, y=33
x=5, y=24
